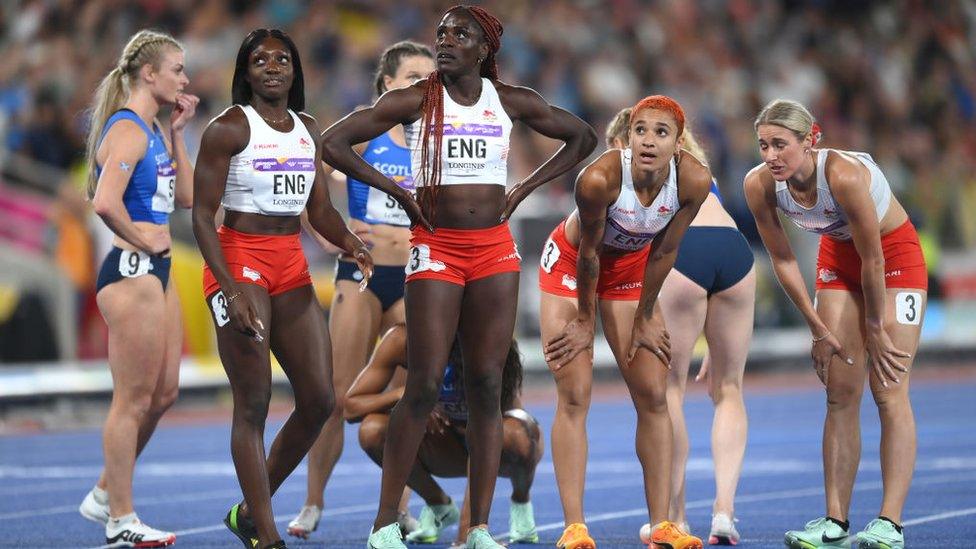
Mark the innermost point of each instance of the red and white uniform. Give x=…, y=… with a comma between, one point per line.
x=474, y=150
x=273, y=176
x=627, y=236
x=838, y=264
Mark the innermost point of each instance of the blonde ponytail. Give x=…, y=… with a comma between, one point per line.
x=692, y=146
x=145, y=47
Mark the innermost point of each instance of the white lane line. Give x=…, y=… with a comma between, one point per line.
x=940, y=516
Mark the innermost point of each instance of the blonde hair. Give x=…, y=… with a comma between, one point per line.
x=788, y=114
x=144, y=48
x=619, y=128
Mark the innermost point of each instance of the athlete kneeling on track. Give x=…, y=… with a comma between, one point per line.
x=444, y=449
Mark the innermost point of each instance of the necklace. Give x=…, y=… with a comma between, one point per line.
x=274, y=122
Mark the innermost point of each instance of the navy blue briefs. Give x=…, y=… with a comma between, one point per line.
x=715, y=258
x=386, y=283
x=121, y=264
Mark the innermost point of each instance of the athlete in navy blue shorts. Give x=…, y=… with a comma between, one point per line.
x=137, y=173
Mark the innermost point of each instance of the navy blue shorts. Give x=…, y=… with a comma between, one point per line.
x=121, y=264
x=386, y=283
x=715, y=258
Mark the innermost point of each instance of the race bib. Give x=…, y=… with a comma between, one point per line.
x=164, y=198
x=282, y=185
x=420, y=260
x=550, y=255
x=382, y=208
x=218, y=304
x=908, y=308
x=133, y=264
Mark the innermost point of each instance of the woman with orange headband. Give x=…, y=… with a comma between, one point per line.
x=633, y=209
x=462, y=278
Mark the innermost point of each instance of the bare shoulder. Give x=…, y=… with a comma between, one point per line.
x=758, y=178
x=126, y=136
x=692, y=170
x=229, y=128
x=842, y=169
x=602, y=177
x=403, y=103
x=519, y=101
x=310, y=123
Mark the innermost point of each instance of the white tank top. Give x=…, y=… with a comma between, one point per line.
x=631, y=225
x=475, y=144
x=274, y=173
x=826, y=217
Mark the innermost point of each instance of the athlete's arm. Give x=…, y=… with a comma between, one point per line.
x=367, y=393
x=594, y=193
x=324, y=218
x=224, y=137
x=126, y=144
x=186, y=106
x=578, y=137
x=694, y=183
x=849, y=183
x=761, y=198
x=400, y=106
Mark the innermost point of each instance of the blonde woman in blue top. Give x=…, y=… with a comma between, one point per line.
x=137, y=173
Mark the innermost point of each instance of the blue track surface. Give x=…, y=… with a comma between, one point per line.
x=185, y=480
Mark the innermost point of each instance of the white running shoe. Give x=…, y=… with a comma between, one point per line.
x=723, y=530
x=306, y=522
x=95, y=506
x=129, y=531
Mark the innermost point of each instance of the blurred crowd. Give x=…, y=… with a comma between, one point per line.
x=895, y=78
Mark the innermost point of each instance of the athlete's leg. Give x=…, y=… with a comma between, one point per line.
x=300, y=342
x=134, y=309
x=728, y=330
x=647, y=379
x=440, y=454
x=432, y=310
x=684, y=304
x=354, y=323
x=484, y=345
x=248, y=366
x=573, y=385
x=168, y=380
x=842, y=311
x=522, y=449
x=898, y=440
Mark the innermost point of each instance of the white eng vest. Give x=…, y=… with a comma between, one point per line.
x=631, y=225
x=274, y=173
x=475, y=144
x=826, y=217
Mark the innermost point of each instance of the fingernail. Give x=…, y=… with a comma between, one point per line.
x=885, y=383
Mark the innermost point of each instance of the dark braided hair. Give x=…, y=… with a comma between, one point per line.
x=433, y=104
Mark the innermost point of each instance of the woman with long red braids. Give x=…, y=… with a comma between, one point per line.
x=463, y=268
x=633, y=207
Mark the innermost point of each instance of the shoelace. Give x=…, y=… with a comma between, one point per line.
x=670, y=529
x=574, y=531
x=389, y=535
